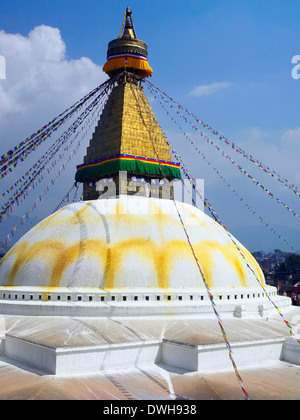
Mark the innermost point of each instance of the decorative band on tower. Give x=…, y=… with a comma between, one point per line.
x=133, y=164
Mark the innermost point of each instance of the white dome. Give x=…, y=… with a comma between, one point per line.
x=125, y=246
x=128, y=242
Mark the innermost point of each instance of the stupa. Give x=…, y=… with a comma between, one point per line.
x=111, y=282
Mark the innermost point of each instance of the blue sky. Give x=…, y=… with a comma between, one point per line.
x=227, y=61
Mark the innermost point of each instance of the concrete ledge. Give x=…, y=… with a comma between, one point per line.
x=205, y=358
x=291, y=351
x=2, y=341
x=71, y=360
x=61, y=346
x=215, y=356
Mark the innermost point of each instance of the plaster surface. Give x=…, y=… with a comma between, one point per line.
x=159, y=372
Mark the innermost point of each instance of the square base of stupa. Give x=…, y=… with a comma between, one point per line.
x=147, y=358
x=68, y=346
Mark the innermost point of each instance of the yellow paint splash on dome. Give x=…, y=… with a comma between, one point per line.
x=205, y=252
x=161, y=255
x=235, y=260
x=155, y=208
x=21, y=246
x=20, y=252
x=143, y=248
x=56, y=255
x=164, y=261
x=81, y=215
x=230, y=253
x=120, y=208
x=53, y=220
x=193, y=215
x=254, y=264
x=174, y=250
x=134, y=221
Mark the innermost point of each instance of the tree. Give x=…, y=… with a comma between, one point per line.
x=292, y=263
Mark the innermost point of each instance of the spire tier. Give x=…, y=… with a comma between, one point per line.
x=127, y=53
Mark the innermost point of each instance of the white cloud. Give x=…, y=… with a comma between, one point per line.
x=40, y=82
x=203, y=90
x=276, y=149
x=292, y=137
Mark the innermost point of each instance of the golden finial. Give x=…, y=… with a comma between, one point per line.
x=129, y=31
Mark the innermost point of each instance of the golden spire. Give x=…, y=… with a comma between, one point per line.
x=122, y=142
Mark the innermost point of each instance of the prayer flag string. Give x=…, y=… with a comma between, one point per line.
x=19, y=153
x=51, y=183
x=50, y=152
x=245, y=393
x=241, y=199
x=229, y=143
x=240, y=168
x=246, y=261
x=40, y=166
x=64, y=199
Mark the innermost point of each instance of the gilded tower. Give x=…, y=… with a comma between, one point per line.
x=128, y=152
